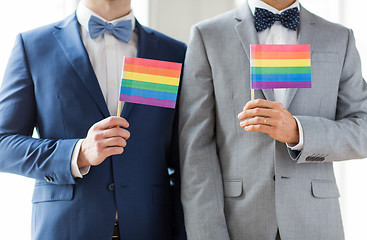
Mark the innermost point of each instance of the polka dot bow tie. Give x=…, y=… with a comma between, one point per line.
x=265, y=19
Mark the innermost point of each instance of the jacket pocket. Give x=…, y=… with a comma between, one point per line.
x=53, y=192
x=232, y=188
x=324, y=189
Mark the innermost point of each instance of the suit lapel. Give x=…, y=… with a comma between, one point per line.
x=68, y=37
x=307, y=35
x=247, y=34
x=147, y=48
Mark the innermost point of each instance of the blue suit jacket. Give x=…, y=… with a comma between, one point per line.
x=50, y=84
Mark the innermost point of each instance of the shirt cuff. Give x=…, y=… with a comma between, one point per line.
x=299, y=146
x=75, y=171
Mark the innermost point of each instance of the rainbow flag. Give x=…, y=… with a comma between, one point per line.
x=150, y=82
x=280, y=66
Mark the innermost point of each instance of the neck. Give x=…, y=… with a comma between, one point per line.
x=279, y=4
x=109, y=9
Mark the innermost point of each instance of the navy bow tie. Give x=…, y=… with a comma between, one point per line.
x=122, y=30
x=265, y=19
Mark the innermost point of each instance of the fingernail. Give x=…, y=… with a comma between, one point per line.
x=240, y=115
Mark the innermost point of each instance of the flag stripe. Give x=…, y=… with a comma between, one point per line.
x=280, y=77
x=152, y=70
x=280, y=55
x=280, y=70
x=152, y=63
x=150, y=78
x=280, y=48
x=280, y=62
x=148, y=101
x=148, y=93
x=269, y=85
x=149, y=86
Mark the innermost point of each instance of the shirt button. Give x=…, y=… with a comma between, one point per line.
x=110, y=47
x=111, y=187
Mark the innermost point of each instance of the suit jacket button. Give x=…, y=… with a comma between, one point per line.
x=111, y=187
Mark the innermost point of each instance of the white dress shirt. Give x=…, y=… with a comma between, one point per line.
x=106, y=56
x=278, y=34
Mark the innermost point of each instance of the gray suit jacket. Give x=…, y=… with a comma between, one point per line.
x=242, y=186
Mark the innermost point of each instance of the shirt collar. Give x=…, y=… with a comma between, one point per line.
x=260, y=4
x=83, y=15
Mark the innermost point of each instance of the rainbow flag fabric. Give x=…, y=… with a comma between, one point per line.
x=150, y=82
x=280, y=66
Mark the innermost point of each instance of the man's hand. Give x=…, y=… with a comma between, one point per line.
x=269, y=117
x=105, y=138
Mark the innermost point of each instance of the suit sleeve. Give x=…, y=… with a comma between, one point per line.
x=202, y=187
x=345, y=137
x=20, y=153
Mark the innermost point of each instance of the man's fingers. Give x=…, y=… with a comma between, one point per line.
x=256, y=112
x=112, y=122
x=262, y=103
x=107, y=152
x=259, y=128
x=115, y=132
x=256, y=121
x=110, y=146
x=113, y=151
x=114, y=142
